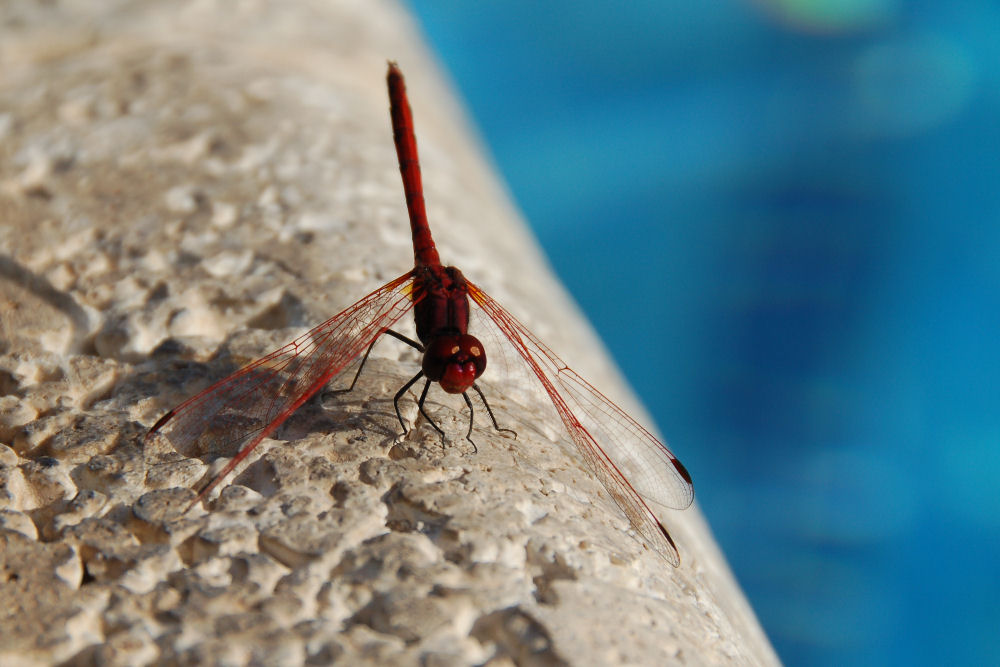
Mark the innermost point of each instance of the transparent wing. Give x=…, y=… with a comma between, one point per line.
x=236, y=413
x=636, y=469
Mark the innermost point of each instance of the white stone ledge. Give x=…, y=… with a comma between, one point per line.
x=185, y=186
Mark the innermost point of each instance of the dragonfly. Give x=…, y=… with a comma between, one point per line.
x=637, y=470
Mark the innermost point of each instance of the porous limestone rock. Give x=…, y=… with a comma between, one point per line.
x=185, y=186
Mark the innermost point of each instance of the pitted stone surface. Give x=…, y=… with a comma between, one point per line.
x=187, y=185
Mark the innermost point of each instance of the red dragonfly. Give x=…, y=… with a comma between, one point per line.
x=637, y=470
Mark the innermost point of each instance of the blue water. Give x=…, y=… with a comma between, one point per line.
x=782, y=216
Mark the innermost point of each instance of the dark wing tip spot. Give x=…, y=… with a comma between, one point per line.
x=666, y=535
x=675, y=557
x=681, y=470
x=159, y=424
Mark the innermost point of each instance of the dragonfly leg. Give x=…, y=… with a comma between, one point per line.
x=420, y=404
x=472, y=412
x=489, y=410
x=399, y=395
x=364, y=359
x=361, y=367
x=406, y=339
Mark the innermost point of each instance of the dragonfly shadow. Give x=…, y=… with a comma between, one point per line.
x=370, y=406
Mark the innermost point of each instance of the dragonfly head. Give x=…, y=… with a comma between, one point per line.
x=454, y=361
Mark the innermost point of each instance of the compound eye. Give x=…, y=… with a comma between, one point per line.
x=454, y=361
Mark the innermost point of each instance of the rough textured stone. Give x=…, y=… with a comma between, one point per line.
x=185, y=186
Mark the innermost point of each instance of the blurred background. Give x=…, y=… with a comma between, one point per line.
x=782, y=217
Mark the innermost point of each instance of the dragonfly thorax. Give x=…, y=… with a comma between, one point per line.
x=442, y=304
x=454, y=361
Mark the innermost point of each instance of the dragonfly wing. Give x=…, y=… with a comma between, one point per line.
x=236, y=413
x=635, y=468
